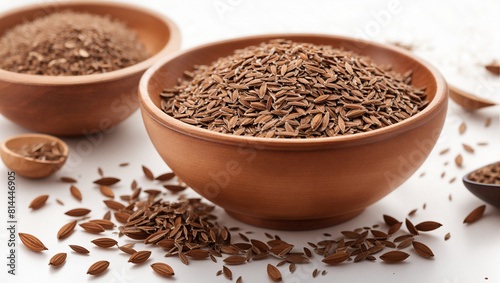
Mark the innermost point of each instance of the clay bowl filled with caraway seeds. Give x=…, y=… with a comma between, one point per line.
x=82, y=104
x=290, y=183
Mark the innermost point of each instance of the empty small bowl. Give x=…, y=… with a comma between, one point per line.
x=79, y=105
x=489, y=193
x=293, y=184
x=27, y=166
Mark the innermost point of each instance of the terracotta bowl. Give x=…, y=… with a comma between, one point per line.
x=78, y=105
x=293, y=184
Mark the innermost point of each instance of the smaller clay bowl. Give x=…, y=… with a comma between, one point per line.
x=489, y=193
x=79, y=105
x=30, y=167
x=293, y=184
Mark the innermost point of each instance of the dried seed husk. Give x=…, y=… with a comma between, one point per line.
x=475, y=215
x=92, y=227
x=402, y=238
x=260, y=245
x=468, y=148
x=163, y=269
x=66, y=230
x=183, y=258
x=239, y=280
x=447, y=236
x=58, y=259
x=350, y=234
x=100, y=172
x=394, y=228
x=139, y=257
x=104, y=242
x=412, y=212
x=107, y=192
x=121, y=217
x=197, y=253
x=75, y=192
x=59, y=201
x=336, y=258
x=107, y=215
x=174, y=188
x=307, y=252
x=459, y=160
x=79, y=249
x=379, y=234
x=235, y=260
x=32, y=242
x=68, y=180
x=315, y=273
x=127, y=250
x=394, y=256
x=462, y=128
x=98, y=267
x=106, y=224
x=227, y=272
x=123, y=164
x=165, y=177
x=273, y=273
x=493, y=68
x=405, y=243
x=428, y=226
x=292, y=267
x=411, y=228
x=38, y=202
x=114, y=205
x=77, y=212
x=422, y=249
x=148, y=173
x=106, y=181
x=389, y=220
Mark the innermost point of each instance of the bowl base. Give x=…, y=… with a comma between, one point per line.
x=294, y=225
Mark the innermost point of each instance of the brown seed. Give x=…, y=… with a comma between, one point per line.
x=488, y=122
x=104, y=242
x=75, y=192
x=38, y=202
x=127, y=250
x=107, y=215
x=422, y=249
x=121, y=217
x=447, y=236
x=66, y=230
x=493, y=68
x=273, y=273
x=123, y=164
x=32, y=242
x=459, y=160
x=68, y=180
x=394, y=228
x=235, y=260
x=197, y=253
x=292, y=267
x=336, y=258
x=227, y=272
x=468, y=148
x=106, y=224
x=462, y=128
x=100, y=172
x=183, y=258
x=77, y=212
x=411, y=228
x=79, y=249
x=139, y=257
x=58, y=259
x=148, y=173
x=106, y=191
x=411, y=213
x=174, y=188
x=98, y=267
x=394, y=256
x=107, y=181
x=239, y=280
x=114, y=205
x=92, y=227
x=428, y=226
x=165, y=177
x=389, y=220
x=307, y=252
x=59, y=202
x=405, y=243
x=444, y=151
x=475, y=215
x=163, y=269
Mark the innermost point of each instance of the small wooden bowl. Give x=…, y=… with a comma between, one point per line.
x=30, y=167
x=79, y=105
x=294, y=184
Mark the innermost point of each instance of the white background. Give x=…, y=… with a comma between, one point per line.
x=457, y=37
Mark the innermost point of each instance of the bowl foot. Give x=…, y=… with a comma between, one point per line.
x=282, y=224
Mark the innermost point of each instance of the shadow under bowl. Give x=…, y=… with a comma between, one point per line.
x=79, y=105
x=293, y=184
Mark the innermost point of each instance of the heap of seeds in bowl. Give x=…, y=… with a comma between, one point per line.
x=487, y=175
x=70, y=43
x=285, y=89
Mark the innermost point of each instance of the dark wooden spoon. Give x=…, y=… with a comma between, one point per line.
x=489, y=193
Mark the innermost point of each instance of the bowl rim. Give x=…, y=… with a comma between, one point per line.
x=431, y=110
x=172, y=45
x=467, y=181
x=9, y=151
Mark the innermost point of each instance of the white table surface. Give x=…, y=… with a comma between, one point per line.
x=458, y=37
